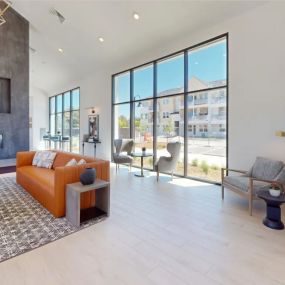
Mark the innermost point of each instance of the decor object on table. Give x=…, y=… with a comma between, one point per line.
x=27, y=225
x=168, y=163
x=4, y=6
x=101, y=209
x=275, y=190
x=263, y=173
x=273, y=211
x=123, y=150
x=44, y=159
x=88, y=176
x=143, y=150
x=48, y=185
x=89, y=140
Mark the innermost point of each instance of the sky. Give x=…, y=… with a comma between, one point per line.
x=207, y=63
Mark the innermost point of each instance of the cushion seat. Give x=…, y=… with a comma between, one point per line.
x=43, y=177
x=123, y=158
x=242, y=182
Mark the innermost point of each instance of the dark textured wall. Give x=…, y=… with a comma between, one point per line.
x=14, y=64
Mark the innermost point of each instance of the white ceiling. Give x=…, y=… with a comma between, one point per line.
x=160, y=22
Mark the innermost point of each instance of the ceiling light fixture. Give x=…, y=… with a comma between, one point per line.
x=136, y=16
x=101, y=39
x=60, y=50
x=2, y=11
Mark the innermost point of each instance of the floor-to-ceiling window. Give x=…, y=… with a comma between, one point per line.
x=64, y=118
x=181, y=97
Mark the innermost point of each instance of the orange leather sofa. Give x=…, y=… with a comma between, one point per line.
x=48, y=185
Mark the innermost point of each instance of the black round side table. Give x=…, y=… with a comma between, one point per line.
x=273, y=215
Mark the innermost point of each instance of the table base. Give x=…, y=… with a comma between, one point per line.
x=275, y=225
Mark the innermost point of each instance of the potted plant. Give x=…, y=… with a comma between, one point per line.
x=275, y=190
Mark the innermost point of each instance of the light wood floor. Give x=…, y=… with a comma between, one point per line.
x=177, y=232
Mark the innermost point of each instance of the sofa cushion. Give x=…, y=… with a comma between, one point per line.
x=43, y=176
x=81, y=161
x=44, y=159
x=71, y=162
x=265, y=168
x=242, y=182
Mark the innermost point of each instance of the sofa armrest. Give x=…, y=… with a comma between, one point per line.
x=24, y=158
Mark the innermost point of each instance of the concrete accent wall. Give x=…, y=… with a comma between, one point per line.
x=14, y=64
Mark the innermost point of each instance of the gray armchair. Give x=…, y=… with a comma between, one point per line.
x=168, y=163
x=123, y=150
x=263, y=173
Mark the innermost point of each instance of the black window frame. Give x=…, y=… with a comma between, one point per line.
x=62, y=112
x=186, y=93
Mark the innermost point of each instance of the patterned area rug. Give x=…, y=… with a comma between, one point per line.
x=25, y=224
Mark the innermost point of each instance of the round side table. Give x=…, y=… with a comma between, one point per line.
x=273, y=213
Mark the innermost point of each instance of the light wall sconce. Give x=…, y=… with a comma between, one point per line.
x=92, y=110
x=280, y=133
x=3, y=9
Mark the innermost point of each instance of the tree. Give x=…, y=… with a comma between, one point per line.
x=168, y=129
x=123, y=122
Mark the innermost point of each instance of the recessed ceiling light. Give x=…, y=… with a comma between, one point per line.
x=101, y=39
x=60, y=50
x=136, y=16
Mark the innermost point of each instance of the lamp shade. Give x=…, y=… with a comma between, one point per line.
x=280, y=133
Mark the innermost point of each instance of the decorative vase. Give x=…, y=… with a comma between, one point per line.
x=274, y=192
x=88, y=176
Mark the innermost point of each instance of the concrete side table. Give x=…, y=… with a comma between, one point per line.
x=102, y=201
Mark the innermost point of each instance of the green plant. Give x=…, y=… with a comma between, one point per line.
x=215, y=167
x=205, y=167
x=194, y=162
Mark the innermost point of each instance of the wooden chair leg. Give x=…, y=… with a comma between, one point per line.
x=157, y=175
x=250, y=191
x=223, y=191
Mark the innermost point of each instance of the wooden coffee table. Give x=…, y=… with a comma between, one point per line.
x=273, y=215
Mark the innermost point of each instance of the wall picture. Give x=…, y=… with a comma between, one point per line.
x=94, y=126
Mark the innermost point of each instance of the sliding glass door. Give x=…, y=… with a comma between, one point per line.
x=178, y=98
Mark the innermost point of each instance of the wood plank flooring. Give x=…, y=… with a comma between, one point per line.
x=170, y=232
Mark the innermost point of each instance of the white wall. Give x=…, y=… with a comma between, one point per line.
x=256, y=90
x=39, y=114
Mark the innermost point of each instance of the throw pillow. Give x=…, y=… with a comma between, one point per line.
x=44, y=159
x=81, y=161
x=71, y=162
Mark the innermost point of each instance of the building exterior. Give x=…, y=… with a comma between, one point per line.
x=206, y=112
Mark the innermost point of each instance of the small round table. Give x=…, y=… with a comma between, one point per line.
x=141, y=155
x=273, y=215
